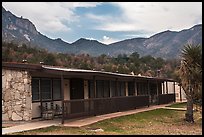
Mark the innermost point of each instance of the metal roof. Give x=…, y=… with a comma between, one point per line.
x=102, y=72
x=37, y=67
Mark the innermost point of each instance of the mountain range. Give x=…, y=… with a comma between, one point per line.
x=165, y=44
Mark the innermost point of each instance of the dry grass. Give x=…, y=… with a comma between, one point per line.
x=178, y=105
x=154, y=122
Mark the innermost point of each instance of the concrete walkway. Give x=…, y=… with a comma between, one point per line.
x=172, y=108
x=74, y=122
x=31, y=126
x=91, y=120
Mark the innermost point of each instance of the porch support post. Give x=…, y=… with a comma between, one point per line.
x=110, y=89
x=41, y=108
x=62, y=93
x=126, y=88
x=135, y=85
x=157, y=93
x=148, y=91
x=157, y=89
x=94, y=78
x=166, y=87
x=180, y=93
x=174, y=92
x=116, y=87
x=163, y=88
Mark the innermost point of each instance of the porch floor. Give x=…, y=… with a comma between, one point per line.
x=79, y=122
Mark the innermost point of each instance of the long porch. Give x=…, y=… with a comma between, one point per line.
x=82, y=94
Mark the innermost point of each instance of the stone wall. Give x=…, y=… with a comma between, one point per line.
x=16, y=95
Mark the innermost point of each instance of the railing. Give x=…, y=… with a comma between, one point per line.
x=166, y=98
x=98, y=106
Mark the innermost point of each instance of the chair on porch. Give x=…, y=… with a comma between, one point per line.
x=58, y=109
x=47, y=112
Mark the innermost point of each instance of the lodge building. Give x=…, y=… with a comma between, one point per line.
x=76, y=93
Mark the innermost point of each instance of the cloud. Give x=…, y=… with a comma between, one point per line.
x=90, y=38
x=96, y=17
x=86, y=4
x=153, y=16
x=142, y=18
x=48, y=16
x=108, y=40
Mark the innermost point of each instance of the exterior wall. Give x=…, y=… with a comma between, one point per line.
x=177, y=91
x=66, y=89
x=170, y=87
x=179, y=98
x=16, y=95
x=36, y=112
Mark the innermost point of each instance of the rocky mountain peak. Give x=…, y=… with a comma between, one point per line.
x=166, y=44
x=18, y=23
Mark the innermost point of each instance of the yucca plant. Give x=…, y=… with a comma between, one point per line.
x=190, y=73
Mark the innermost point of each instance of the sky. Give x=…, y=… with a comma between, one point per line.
x=107, y=22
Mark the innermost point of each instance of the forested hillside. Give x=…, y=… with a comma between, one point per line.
x=127, y=64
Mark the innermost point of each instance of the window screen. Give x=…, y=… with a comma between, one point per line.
x=35, y=89
x=113, y=88
x=106, y=89
x=56, y=89
x=45, y=88
x=131, y=90
x=122, y=88
x=91, y=89
x=99, y=88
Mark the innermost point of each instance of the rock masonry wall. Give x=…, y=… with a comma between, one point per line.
x=16, y=95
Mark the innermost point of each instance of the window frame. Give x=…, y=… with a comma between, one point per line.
x=50, y=99
x=40, y=93
x=53, y=90
x=38, y=90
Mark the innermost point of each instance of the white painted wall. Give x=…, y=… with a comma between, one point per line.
x=66, y=89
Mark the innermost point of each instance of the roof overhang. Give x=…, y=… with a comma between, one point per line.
x=76, y=72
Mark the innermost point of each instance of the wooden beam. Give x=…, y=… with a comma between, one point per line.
x=148, y=91
x=157, y=93
x=180, y=93
x=166, y=87
x=126, y=88
x=157, y=88
x=135, y=85
x=148, y=87
x=62, y=92
x=174, y=92
x=110, y=94
x=116, y=87
x=163, y=88
x=94, y=80
x=41, y=108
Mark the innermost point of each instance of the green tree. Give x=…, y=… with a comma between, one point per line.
x=190, y=73
x=50, y=59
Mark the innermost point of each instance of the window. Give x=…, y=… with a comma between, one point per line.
x=56, y=85
x=45, y=88
x=113, y=88
x=131, y=90
x=91, y=89
x=35, y=89
x=122, y=88
x=99, y=88
x=106, y=89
